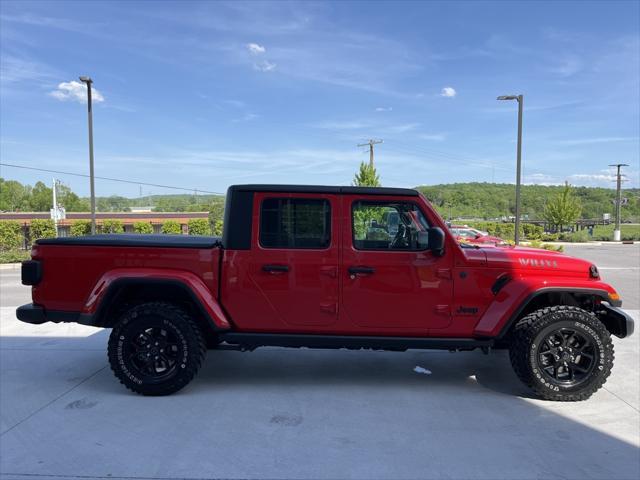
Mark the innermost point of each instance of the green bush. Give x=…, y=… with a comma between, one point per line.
x=112, y=226
x=580, y=236
x=171, y=227
x=627, y=232
x=10, y=235
x=550, y=237
x=42, y=228
x=199, y=226
x=546, y=246
x=142, y=227
x=14, y=256
x=218, y=228
x=532, y=232
x=80, y=227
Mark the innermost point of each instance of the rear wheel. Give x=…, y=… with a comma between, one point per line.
x=156, y=348
x=562, y=353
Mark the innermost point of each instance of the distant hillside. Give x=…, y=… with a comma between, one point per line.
x=493, y=200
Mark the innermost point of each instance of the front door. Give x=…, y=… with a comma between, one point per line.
x=390, y=285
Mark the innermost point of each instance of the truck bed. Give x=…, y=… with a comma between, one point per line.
x=136, y=240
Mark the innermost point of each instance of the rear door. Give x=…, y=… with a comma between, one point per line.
x=291, y=274
x=390, y=284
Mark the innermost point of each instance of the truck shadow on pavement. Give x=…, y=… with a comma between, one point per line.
x=335, y=368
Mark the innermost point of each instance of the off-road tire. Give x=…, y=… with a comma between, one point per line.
x=160, y=317
x=525, y=345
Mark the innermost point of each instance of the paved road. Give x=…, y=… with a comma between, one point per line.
x=278, y=413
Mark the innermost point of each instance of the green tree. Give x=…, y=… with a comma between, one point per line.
x=216, y=212
x=70, y=201
x=142, y=227
x=41, y=199
x=366, y=176
x=563, y=209
x=10, y=235
x=218, y=228
x=13, y=196
x=42, y=228
x=171, y=227
x=80, y=227
x=199, y=226
x=112, y=226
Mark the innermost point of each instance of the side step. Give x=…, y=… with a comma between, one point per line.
x=251, y=341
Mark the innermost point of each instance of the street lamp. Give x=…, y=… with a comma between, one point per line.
x=89, y=82
x=519, y=98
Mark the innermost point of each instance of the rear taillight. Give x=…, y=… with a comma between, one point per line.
x=31, y=272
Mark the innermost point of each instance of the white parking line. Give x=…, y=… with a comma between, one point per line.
x=618, y=268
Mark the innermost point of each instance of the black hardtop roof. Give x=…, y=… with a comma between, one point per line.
x=324, y=189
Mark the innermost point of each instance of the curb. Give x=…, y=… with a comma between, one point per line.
x=10, y=266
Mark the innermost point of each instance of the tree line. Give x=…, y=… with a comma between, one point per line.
x=489, y=201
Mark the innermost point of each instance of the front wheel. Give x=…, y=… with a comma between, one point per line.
x=156, y=348
x=562, y=353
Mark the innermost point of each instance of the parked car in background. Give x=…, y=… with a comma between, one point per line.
x=473, y=235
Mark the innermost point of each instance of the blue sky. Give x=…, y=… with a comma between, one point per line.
x=207, y=94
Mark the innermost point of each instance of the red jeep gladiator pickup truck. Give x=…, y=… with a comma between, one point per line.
x=327, y=267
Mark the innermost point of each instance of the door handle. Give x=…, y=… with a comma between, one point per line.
x=361, y=271
x=275, y=268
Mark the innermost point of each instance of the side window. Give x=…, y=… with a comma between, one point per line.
x=295, y=223
x=387, y=225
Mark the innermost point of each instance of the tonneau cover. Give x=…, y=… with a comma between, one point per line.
x=136, y=240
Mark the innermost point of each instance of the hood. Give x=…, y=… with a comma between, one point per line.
x=538, y=261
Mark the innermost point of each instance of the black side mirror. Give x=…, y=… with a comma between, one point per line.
x=436, y=240
x=432, y=239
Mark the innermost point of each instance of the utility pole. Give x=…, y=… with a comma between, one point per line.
x=89, y=83
x=370, y=143
x=616, y=231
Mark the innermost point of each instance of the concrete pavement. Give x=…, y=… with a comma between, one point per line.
x=278, y=413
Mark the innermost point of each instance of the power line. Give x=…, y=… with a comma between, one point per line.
x=109, y=179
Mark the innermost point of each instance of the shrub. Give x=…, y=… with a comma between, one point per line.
x=14, y=256
x=111, y=225
x=217, y=228
x=10, y=235
x=532, y=232
x=171, y=227
x=80, y=227
x=42, y=228
x=546, y=246
x=199, y=226
x=577, y=237
x=142, y=227
x=549, y=237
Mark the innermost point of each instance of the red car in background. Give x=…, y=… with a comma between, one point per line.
x=463, y=233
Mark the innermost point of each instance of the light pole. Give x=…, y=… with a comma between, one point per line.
x=616, y=231
x=519, y=98
x=89, y=82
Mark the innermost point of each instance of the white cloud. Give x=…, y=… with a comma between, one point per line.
x=384, y=109
x=255, y=49
x=75, y=91
x=589, y=141
x=448, y=92
x=247, y=117
x=265, y=66
x=438, y=137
